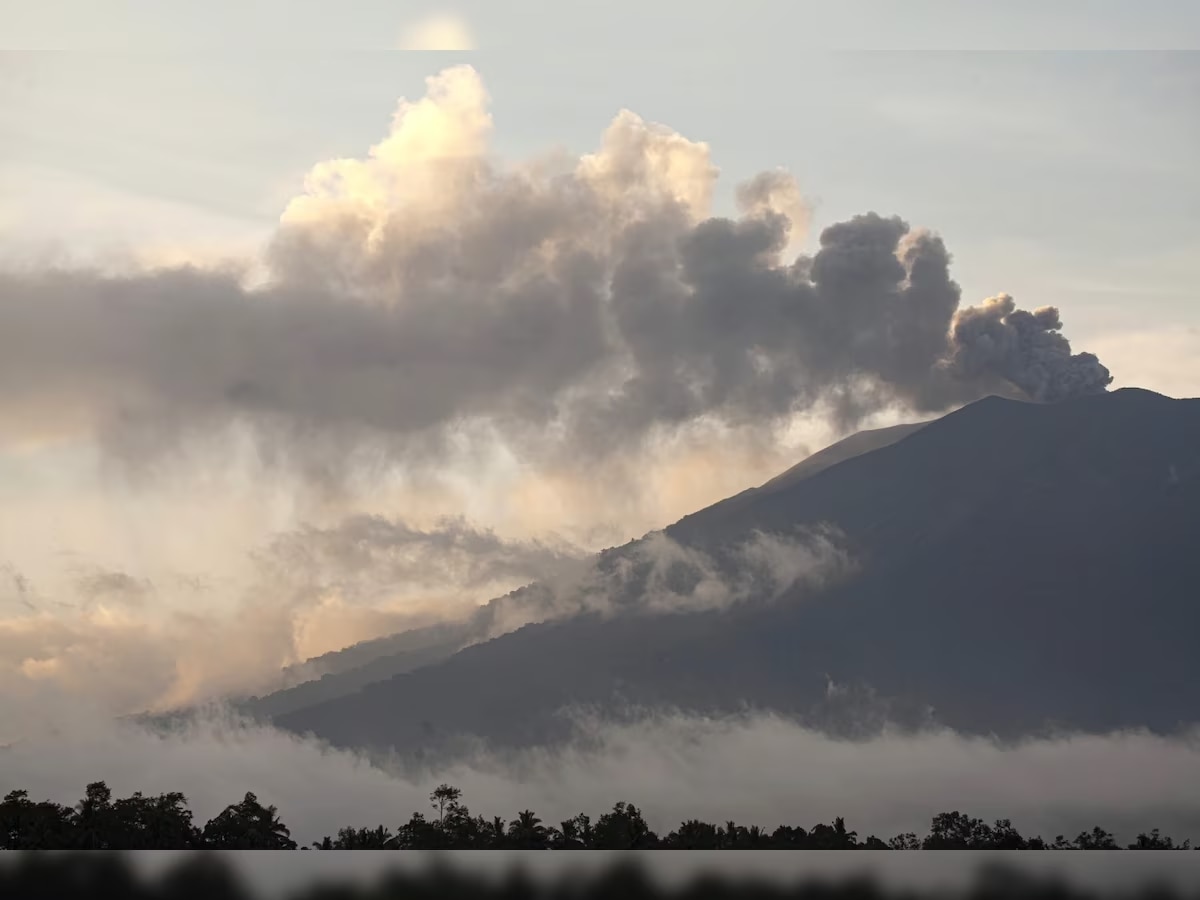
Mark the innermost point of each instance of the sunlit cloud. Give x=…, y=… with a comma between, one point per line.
x=438, y=32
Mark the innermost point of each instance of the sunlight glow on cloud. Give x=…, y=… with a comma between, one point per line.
x=438, y=32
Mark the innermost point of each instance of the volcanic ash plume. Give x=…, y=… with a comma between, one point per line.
x=568, y=308
x=1026, y=348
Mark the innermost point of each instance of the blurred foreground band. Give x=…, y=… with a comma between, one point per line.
x=692, y=875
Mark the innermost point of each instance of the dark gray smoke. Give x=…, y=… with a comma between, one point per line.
x=1026, y=348
x=568, y=310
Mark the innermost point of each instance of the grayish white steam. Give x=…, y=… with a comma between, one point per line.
x=660, y=576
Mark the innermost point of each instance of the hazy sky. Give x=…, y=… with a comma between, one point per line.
x=1053, y=149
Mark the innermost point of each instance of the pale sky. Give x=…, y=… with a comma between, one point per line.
x=1053, y=148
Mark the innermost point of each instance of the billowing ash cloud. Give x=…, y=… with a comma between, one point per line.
x=1027, y=348
x=566, y=306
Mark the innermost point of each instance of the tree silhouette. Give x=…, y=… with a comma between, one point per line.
x=152, y=823
x=1004, y=837
x=623, y=829
x=25, y=825
x=487, y=837
x=832, y=837
x=444, y=796
x=527, y=832
x=730, y=836
x=248, y=826
x=575, y=833
x=1155, y=841
x=693, y=835
x=789, y=837
x=957, y=831
x=93, y=817
x=380, y=838
x=461, y=831
x=418, y=833
x=1096, y=839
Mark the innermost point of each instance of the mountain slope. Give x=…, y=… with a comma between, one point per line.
x=855, y=445
x=1021, y=566
x=383, y=658
x=346, y=671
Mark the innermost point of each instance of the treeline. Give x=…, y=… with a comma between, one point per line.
x=164, y=822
